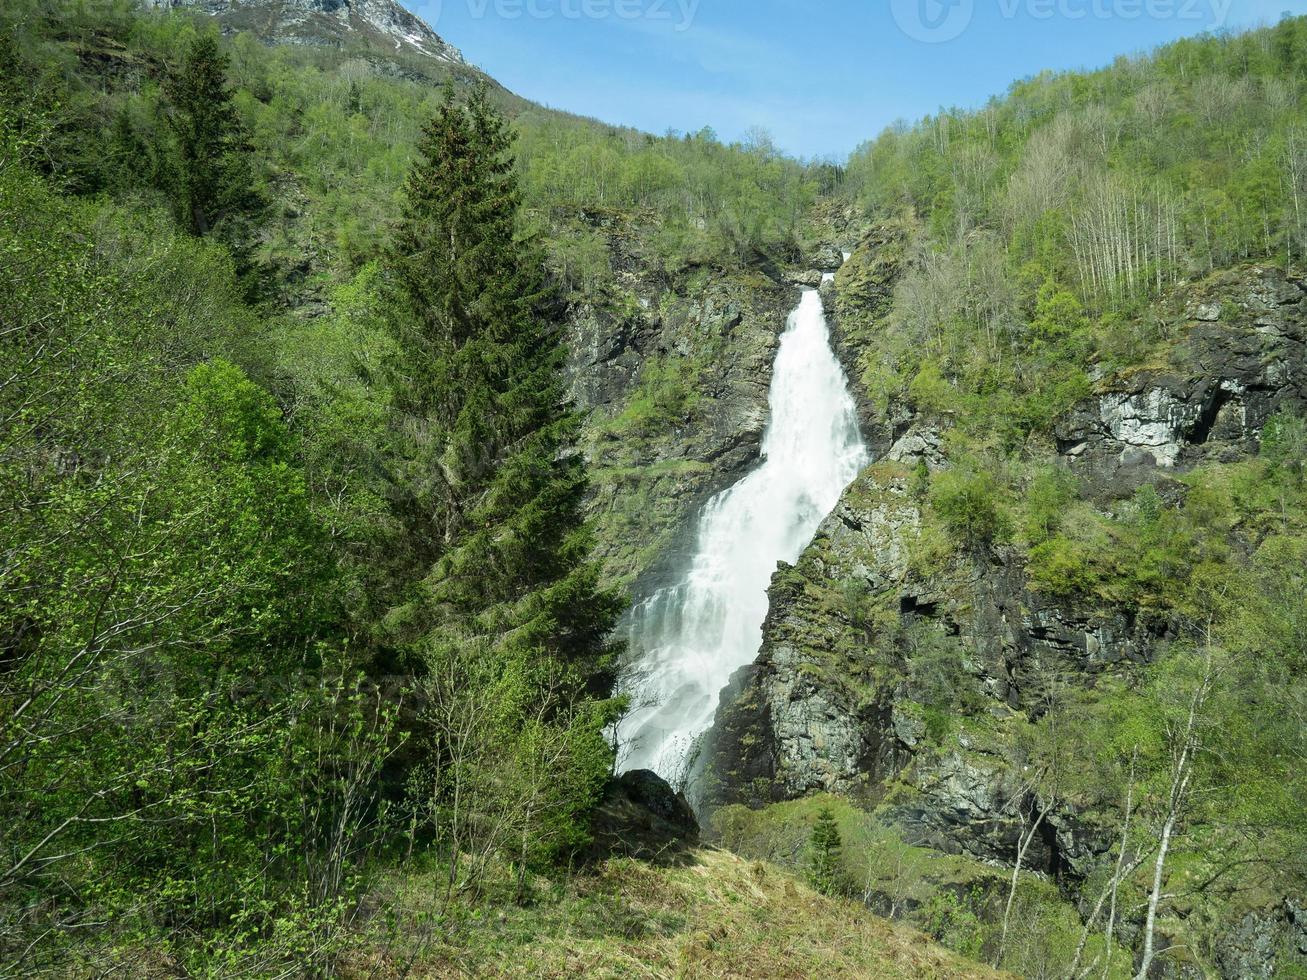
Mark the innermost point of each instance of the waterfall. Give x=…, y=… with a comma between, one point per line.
x=688, y=638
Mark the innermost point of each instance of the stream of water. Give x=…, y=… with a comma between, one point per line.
x=688, y=638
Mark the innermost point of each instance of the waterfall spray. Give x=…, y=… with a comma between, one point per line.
x=687, y=639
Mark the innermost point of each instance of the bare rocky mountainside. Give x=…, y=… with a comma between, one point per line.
x=381, y=24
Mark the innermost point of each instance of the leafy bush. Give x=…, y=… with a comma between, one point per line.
x=1046, y=501
x=1059, y=567
x=953, y=921
x=665, y=395
x=1284, y=445
x=970, y=503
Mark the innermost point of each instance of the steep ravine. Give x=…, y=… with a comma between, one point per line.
x=687, y=638
x=672, y=373
x=672, y=378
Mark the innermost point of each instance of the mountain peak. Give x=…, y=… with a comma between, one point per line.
x=334, y=23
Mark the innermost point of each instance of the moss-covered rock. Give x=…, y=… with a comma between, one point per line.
x=672, y=372
x=910, y=668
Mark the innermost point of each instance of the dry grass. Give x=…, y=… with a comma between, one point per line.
x=718, y=915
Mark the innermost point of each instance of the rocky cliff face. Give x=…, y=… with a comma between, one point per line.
x=845, y=695
x=828, y=705
x=675, y=389
x=382, y=24
x=1241, y=358
x=672, y=373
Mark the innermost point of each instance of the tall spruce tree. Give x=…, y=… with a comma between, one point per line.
x=503, y=615
x=824, y=854
x=490, y=485
x=213, y=174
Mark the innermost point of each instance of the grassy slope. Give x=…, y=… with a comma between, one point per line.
x=715, y=915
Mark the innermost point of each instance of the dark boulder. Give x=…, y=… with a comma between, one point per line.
x=641, y=816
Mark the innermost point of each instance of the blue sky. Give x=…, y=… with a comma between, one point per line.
x=820, y=76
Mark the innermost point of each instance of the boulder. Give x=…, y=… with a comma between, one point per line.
x=641, y=816
x=806, y=277
x=826, y=257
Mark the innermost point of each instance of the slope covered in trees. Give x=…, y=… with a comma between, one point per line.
x=298, y=610
x=1053, y=626
x=291, y=599
x=1052, y=217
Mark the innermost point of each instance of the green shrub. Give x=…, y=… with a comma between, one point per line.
x=1050, y=493
x=1059, y=315
x=931, y=392
x=954, y=922
x=1060, y=568
x=971, y=505
x=1284, y=445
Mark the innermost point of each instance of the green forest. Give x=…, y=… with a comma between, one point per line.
x=308, y=665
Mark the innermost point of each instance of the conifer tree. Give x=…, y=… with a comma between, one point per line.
x=491, y=485
x=824, y=853
x=502, y=613
x=213, y=173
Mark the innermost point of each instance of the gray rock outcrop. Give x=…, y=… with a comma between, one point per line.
x=1241, y=357
x=384, y=24
x=641, y=816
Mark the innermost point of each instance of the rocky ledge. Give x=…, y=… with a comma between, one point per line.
x=1241, y=355
x=672, y=374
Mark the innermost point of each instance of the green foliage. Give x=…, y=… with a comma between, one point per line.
x=504, y=614
x=665, y=395
x=953, y=897
x=1149, y=143
x=211, y=153
x=1060, y=567
x=931, y=392
x=953, y=921
x=1059, y=316
x=970, y=504
x=940, y=683
x=1039, y=227
x=187, y=754
x=1047, y=499
x=712, y=202
x=1284, y=446
x=332, y=137
x=337, y=410
x=1272, y=616
x=214, y=515
x=824, y=854
x=26, y=116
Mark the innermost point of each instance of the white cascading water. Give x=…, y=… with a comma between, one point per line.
x=689, y=638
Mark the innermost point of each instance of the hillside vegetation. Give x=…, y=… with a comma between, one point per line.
x=296, y=587
x=307, y=618
x=1058, y=624
x=1035, y=233
x=710, y=914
